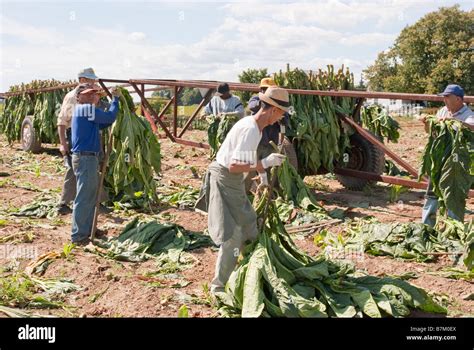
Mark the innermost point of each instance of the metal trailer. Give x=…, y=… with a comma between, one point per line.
x=367, y=152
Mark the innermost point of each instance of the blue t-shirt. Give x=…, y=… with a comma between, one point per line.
x=87, y=120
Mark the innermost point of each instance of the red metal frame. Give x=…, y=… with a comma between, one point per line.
x=154, y=118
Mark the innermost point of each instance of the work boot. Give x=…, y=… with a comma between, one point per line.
x=63, y=209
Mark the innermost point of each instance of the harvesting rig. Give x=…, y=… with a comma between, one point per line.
x=366, y=154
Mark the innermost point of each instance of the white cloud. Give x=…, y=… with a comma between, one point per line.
x=136, y=36
x=251, y=35
x=30, y=34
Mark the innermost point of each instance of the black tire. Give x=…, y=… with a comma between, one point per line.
x=363, y=156
x=29, y=139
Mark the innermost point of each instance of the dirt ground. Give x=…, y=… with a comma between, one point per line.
x=117, y=289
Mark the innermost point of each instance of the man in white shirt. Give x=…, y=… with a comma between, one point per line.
x=455, y=109
x=231, y=218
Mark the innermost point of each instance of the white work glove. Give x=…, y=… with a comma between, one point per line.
x=274, y=159
x=263, y=179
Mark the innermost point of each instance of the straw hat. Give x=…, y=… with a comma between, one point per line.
x=267, y=82
x=277, y=97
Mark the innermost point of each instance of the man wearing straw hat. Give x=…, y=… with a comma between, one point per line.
x=272, y=132
x=231, y=218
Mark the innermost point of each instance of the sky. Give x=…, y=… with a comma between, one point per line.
x=196, y=39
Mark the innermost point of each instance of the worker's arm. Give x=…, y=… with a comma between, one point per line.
x=467, y=125
x=64, y=120
x=63, y=146
x=239, y=168
x=274, y=159
x=208, y=109
x=107, y=118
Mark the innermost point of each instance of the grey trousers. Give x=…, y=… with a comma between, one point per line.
x=231, y=220
x=69, y=185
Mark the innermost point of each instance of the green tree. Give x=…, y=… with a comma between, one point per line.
x=189, y=96
x=435, y=51
x=252, y=76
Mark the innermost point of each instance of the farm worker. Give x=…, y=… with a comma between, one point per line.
x=271, y=132
x=455, y=109
x=224, y=102
x=231, y=218
x=86, y=122
x=85, y=76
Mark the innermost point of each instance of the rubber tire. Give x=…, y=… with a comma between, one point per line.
x=367, y=157
x=29, y=138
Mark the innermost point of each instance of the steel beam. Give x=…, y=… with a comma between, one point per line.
x=196, y=112
x=152, y=112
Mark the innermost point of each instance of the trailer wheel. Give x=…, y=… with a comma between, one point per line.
x=363, y=156
x=29, y=139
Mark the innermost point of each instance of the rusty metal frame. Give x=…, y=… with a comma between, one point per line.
x=154, y=118
x=372, y=139
x=204, y=100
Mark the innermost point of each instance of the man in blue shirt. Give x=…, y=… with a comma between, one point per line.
x=87, y=120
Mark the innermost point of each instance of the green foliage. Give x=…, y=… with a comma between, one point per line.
x=189, y=96
x=183, y=312
x=43, y=106
x=276, y=279
x=428, y=55
x=413, y=241
x=315, y=125
x=376, y=119
x=448, y=160
x=252, y=76
x=44, y=206
x=219, y=127
x=293, y=189
x=21, y=290
x=135, y=156
x=140, y=241
x=182, y=197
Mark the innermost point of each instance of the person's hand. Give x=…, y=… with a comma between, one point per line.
x=263, y=179
x=274, y=159
x=423, y=118
x=64, y=149
x=447, y=117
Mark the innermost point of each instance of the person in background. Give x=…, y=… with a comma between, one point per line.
x=224, y=103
